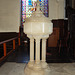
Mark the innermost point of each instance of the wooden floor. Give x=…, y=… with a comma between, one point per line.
x=20, y=55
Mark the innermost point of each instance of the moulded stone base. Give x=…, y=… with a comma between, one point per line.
x=46, y=68
x=43, y=71
x=31, y=71
x=44, y=64
x=30, y=64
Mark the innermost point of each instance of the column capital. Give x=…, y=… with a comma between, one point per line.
x=45, y=36
x=30, y=36
x=37, y=36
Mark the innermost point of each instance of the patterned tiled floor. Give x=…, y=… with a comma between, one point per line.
x=10, y=68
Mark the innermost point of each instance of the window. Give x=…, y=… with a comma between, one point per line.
x=28, y=7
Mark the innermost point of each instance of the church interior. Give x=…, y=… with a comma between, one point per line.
x=15, y=44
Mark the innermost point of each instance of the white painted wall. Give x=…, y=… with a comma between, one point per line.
x=56, y=9
x=9, y=15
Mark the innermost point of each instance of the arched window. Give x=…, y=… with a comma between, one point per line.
x=28, y=7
